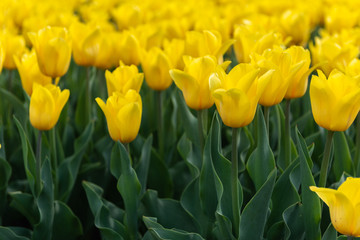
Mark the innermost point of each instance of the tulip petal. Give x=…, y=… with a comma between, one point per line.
x=351, y=189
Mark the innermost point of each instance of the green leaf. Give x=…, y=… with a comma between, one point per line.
x=254, y=215
x=276, y=231
x=144, y=163
x=190, y=122
x=169, y=212
x=26, y=205
x=45, y=203
x=261, y=162
x=225, y=226
x=7, y=233
x=28, y=157
x=342, y=157
x=5, y=173
x=330, y=233
x=20, y=109
x=161, y=233
x=110, y=228
x=193, y=160
x=68, y=170
x=66, y=224
x=129, y=188
x=281, y=201
x=311, y=202
x=294, y=220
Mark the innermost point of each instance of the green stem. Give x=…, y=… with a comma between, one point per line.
x=234, y=183
x=266, y=117
x=88, y=95
x=127, y=147
x=54, y=161
x=287, y=134
x=38, y=164
x=326, y=159
x=357, y=149
x=160, y=124
x=200, y=128
x=350, y=238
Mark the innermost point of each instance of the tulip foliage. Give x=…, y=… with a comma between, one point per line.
x=154, y=120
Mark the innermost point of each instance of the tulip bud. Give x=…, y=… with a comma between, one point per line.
x=123, y=79
x=335, y=101
x=156, y=65
x=53, y=50
x=29, y=72
x=46, y=104
x=123, y=115
x=129, y=48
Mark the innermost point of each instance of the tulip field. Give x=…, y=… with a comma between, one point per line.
x=179, y=120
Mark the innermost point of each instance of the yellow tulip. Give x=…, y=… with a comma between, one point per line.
x=85, y=43
x=296, y=25
x=46, y=104
x=123, y=78
x=194, y=81
x=127, y=15
x=353, y=69
x=252, y=41
x=340, y=17
x=29, y=72
x=333, y=52
x=53, y=50
x=344, y=205
x=156, y=66
x=107, y=56
x=299, y=81
x=335, y=101
x=237, y=94
x=14, y=45
x=128, y=48
x=284, y=68
x=175, y=51
x=123, y=115
x=199, y=44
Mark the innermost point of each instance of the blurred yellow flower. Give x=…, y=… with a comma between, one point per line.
x=284, y=68
x=85, y=43
x=14, y=45
x=127, y=15
x=174, y=49
x=123, y=115
x=128, y=48
x=237, y=94
x=46, y=104
x=194, y=81
x=123, y=78
x=53, y=50
x=156, y=66
x=29, y=72
x=338, y=17
x=299, y=81
x=335, y=101
x=296, y=25
x=343, y=204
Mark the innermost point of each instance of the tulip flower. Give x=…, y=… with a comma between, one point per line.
x=284, y=70
x=344, y=205
x=175, y=51
x=338, y=17
x=46, y=104
x=128, y=48
x=29, y=72
x=127, y=15
x=53, y=50
x=108, y=55
x=299, y=81
x=85, y=42
x=123, y=78
x=194, y=81
x=123, y=115
x=335, y=101
x=14, y=45
x=296, y=25
x=237, y=94
x=156, y=66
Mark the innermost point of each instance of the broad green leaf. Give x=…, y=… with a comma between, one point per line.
x=20, y=110
x=45, y=203
x=66, y=224
x=294, y=220
x=277, y=231
x=161, y=233
x=144, y=163
x=26, y=205
x=311, y=202
x=168, y=212
x=110, y=228
x=129, y=188
x=190, y=122
x=342, y=157
x=7, y=233
x=281, y=201
x=225, y=226
x=68, y=170
x=261, y=162
x=255, y=213
x=187, y=153
x=28, y=157
x=330, y=233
